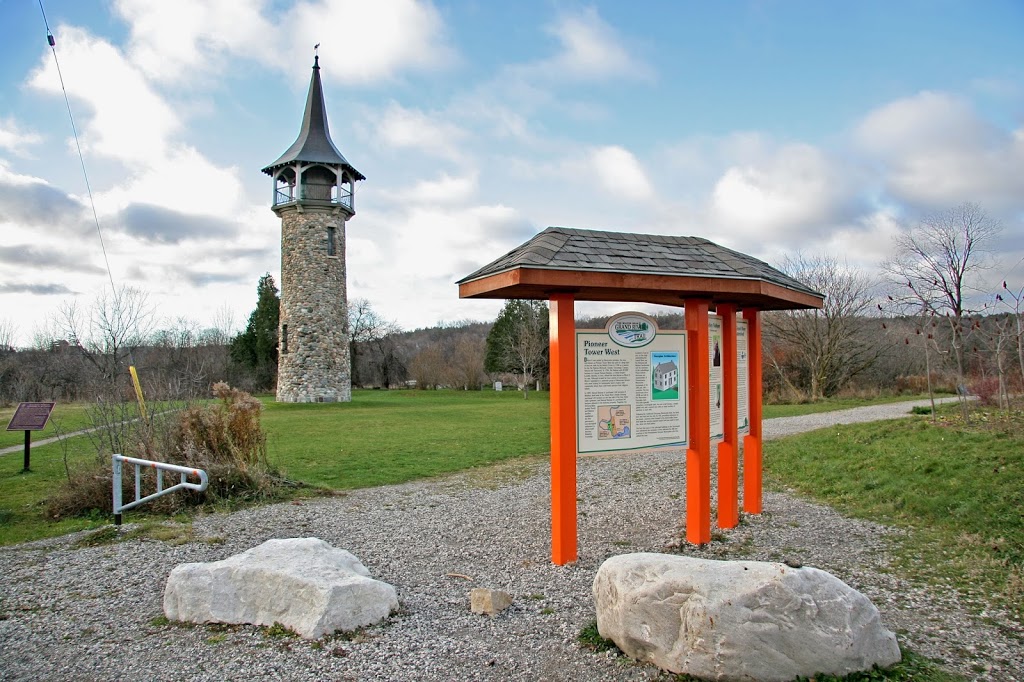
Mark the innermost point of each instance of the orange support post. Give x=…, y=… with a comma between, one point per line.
x=752, y=442
x=698, y=456
x=562, y=360
x=728, y=449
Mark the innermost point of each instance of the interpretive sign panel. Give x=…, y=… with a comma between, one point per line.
x=30, y=417
x=630, y=386
x=742, y=379
x=715, y=383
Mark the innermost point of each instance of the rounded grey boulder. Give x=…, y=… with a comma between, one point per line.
x=738, y=620
x=303, y=583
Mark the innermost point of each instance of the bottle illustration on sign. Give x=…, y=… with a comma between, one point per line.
x=613, y=421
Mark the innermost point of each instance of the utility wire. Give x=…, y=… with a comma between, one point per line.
x=81, y=158
x=92, y=202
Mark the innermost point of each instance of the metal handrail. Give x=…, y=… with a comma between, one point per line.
x=161, y=467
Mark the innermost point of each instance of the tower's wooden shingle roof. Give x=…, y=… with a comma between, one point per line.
x=616, y=266
x=314, y=143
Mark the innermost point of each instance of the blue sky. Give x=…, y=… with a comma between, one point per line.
x=768, y=127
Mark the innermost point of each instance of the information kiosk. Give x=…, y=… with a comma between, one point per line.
x=717, y=359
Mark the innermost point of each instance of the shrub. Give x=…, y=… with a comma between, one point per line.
x=917, y=384
x=87, y=491
x=225, y=438
x=228, y=432
x=987, y=390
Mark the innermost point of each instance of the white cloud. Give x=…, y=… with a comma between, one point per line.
x=498, y=110
x=868, y=242
x=432, y=247
x=935, y=150
x=403, y=128
x=185, y=41
x=621, y=174
x=445, y=189
x=783, y=193
x=128, y=120
x=591, y=50
x=178, y=41
x=182, y=173
x=367, y=41
x=169, y=192
x=15, y=139
x=10, y=177
x=28, y=203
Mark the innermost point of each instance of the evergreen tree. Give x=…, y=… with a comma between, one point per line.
x=256, y=347
x=518, y=341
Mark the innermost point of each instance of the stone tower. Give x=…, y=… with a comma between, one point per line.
x=314, y=197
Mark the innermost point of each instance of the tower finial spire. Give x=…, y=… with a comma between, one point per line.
x=316, y=55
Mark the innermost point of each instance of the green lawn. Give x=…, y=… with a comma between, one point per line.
x=23, y=495
x=380, y=437
x=66, y=417
x=393, y=436
x=960, y=489
x=72, y=417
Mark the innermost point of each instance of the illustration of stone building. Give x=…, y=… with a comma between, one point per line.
x=314, y=197
x=666, y=375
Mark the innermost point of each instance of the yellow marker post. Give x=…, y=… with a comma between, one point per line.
x=138, y=392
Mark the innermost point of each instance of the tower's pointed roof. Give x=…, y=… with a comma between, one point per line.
x=314, y=143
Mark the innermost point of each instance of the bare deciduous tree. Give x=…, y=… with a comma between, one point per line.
x=8, y=360
x=1001, y=337
x=936, y=265
x=467, y=362
x=106, y=335
x=367, y=329
x=8, y=334
x=1018, y=315
x=110, y=330
x=429, y=367
x=826, y=347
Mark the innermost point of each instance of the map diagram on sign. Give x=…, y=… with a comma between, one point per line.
x=613, y=421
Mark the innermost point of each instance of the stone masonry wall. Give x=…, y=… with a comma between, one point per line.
x=315, y=365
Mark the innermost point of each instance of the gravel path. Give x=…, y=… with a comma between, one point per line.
x=787, y=426
x=92, y=613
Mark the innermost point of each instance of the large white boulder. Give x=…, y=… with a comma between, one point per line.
x=302, y=583
x=738, y=620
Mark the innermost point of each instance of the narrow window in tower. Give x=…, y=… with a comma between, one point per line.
x=331, y=245
x=284, y=338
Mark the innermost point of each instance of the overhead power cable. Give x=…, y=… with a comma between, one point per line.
x=81, y=158
x=52, y=42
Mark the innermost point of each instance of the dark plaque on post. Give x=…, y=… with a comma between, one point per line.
x=30, y=417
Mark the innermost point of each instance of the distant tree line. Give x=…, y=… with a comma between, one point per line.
x=912, y=330
x=84, y=354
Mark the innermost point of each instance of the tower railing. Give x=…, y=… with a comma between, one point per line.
x=315, y=191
